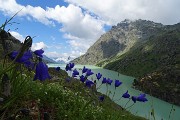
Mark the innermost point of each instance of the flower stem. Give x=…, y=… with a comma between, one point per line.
x=170, y=112
x=99, y=86
x=107, y=90
x=129, y=106
x=118, y=99
x=113, y=94
x=127, y=103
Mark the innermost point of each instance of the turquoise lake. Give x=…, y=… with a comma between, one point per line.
x=161, y=108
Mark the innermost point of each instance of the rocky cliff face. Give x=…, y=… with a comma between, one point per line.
x=11, y=43
x=119, y=40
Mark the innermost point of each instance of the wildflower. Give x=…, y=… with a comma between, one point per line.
x=75, y=73
x=84, y=69
x=104, y=80
x=89, y=72
x=98, y=76
x=30, y=65
x=134, y=99
x=141, y=98
x=126, y=95
x=67, y=67
x=82, y=78
x=71, y=65
x=58, y=68
x=109, y=81
x=89, y=83
x=39, y=52
x=26, y=56
x=117, y=83
x=101, y=98
x=14, y=54
x=41, y=72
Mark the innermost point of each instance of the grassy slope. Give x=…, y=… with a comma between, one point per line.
x=60, y=99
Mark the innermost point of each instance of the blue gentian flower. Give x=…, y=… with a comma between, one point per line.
x=109, y=81
x=41, y=72
x=27, y=63
x=82, y=78
x=67, y=67
x=101, y=98
x=71, y=65
x=75, y=73
x=14, y=54
x=141, y=98
x=58, y=68
x=126, y=95
x=30, y=65
x=26, y=56
x=98, y=76
x=39, y=52
x=142, y=95
x=134, y=99
x=84, y=69
x=89, y=83
x=89, y=72
x=117, y=83
x=104, y=80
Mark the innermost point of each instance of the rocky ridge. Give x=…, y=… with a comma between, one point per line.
x=119, y=40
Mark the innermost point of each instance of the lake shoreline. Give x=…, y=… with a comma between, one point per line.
x=160, y=113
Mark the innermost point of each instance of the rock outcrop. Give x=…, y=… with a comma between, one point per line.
x=119, y=40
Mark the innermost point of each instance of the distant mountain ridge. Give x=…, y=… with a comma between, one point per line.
x=48, y=60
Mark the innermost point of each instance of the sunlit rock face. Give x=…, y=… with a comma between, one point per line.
x=119, y=40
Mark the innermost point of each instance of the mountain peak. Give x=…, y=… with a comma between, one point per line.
x=121, y=38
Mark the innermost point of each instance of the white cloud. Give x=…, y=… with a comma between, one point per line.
x=114, y=11
x=10, y=7
x=75, y=22
x=17, y=35
x=80, y=28
x=78, y=43
x=40, y=45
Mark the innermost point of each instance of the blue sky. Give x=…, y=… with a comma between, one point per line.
x=69, y=27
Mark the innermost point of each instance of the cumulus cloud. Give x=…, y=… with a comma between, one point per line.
x=114, y=11
x=78, y=43
x=81, y=29
x=40, y=45
x=10, y=7
x=17, y=35
x=75, y=22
